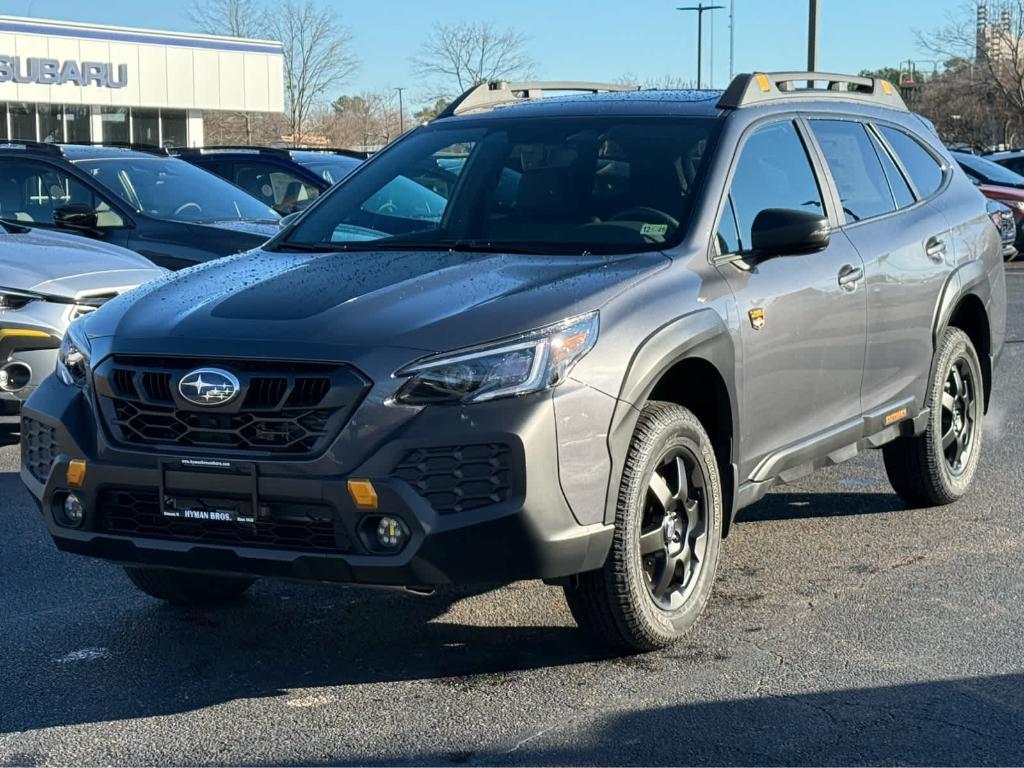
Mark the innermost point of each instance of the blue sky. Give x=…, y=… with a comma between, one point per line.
x=589, y=39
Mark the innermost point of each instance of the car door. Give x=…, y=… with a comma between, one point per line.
x=904, y=243
x=33, y=189
x=801, y=316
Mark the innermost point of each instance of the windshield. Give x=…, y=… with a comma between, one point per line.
x=990, y=172
x=559, y=185
x=331, y=168
x=169, y=188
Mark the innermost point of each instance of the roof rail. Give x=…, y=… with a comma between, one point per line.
x=748, y=89
x=355, y=154
x=497, y=92
x=32, y=146
x=151, y=149
x=217, y=148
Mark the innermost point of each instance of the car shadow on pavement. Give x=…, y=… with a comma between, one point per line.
x=798, y=506
x=972, y=721
x=129, y=656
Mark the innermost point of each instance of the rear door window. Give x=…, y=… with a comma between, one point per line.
x=924, y=170
x=773, y=172
x=855, y=168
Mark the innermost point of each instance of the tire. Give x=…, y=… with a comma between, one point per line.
x=188, y=589
x=620, y=604
x=921, y=470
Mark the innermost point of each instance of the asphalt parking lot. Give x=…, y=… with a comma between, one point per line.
x=844, y=630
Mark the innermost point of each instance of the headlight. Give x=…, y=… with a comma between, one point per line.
x=12, y=298
x=528, y=363
x=74, y=356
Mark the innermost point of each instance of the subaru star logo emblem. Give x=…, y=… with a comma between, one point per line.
x=208, y=386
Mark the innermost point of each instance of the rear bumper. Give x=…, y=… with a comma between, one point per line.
x=528, y=532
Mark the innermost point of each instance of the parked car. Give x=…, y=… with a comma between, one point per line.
x=997, y=183
x=285, y=179
x=1002, y=216
x=1012, y=159
x=161, y=207
x=633, y=315
x=47, y=280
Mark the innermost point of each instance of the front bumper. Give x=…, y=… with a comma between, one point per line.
x=529, y=531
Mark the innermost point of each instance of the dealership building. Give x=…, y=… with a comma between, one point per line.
x=71, y=82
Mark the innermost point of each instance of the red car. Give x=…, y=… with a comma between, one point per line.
x=997, y=183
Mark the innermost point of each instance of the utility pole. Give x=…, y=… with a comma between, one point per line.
x=401, y=112
x=812, y=36
x=700, y=8
x=732, y=38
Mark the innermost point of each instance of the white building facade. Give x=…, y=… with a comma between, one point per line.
x=71, y=82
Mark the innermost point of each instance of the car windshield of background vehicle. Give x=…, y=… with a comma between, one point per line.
x=559, y=185
x=169, y=188
x=989, y=172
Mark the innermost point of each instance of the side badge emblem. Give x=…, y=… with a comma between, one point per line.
x=756, y=319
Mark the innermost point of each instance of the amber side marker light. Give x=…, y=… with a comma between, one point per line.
x=363, y=494
x=76, y=473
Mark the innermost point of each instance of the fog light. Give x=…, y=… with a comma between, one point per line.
x=74, y=511
x=391, y=533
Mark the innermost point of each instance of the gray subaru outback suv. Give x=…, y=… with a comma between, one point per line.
x=563, y=338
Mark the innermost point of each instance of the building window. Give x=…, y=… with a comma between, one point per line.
x=174, y=127
x=115, y=125
x=77, y=124
x=51, y=123
x=23, y=121
x=3, y=120
x=146, y=126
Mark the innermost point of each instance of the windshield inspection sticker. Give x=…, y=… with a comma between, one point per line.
x=654, y=230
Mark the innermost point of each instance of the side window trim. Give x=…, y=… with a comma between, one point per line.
x=824, y=182
x=880, y=146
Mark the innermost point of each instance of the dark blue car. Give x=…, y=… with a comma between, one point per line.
x=172, y=212
x=285, y=179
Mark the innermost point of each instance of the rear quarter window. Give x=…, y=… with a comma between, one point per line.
x=924, y=170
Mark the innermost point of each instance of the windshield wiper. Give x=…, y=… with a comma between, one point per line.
x=13, y=228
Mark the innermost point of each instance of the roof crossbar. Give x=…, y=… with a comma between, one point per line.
x=751, y=89
x=497, y=92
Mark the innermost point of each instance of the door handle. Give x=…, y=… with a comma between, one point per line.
x=935, y=248
x=850, y=275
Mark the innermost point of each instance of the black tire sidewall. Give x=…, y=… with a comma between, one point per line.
x=955, y=344
x=675, y=426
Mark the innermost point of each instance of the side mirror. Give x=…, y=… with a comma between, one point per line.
x=784, y=231
x=75, y=216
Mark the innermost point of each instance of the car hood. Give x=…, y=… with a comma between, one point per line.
x=430, y=301
x=69, y=265
x=263, y=229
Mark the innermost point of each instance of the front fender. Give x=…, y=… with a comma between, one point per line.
x=700, y=335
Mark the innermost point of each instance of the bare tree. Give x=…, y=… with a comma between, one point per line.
x=317, y=57
x=984, y=45
x=237, y=18
x=458, y=56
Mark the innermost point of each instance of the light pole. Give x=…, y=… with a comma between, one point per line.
x=812, y=36
x=401, y=112
x=700, y=8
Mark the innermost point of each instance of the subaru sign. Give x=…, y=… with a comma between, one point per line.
x=56, y=72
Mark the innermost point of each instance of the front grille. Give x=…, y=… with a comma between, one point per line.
x=291, y=409
x=459, y=478
x=38, y=448
x=288, y=526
